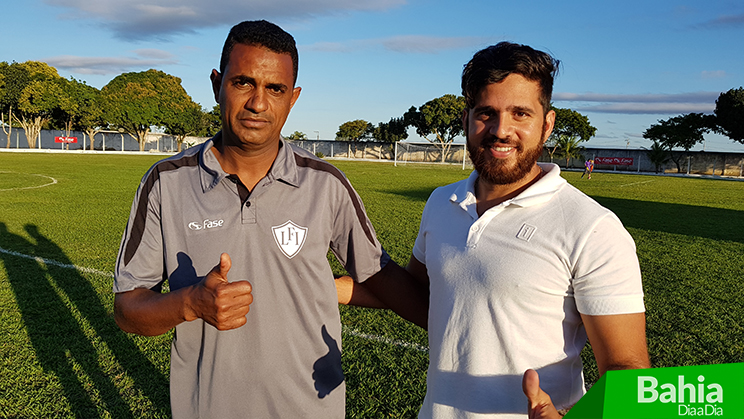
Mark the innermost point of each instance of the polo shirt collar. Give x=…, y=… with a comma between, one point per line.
x=538, y=193
x=284, y=167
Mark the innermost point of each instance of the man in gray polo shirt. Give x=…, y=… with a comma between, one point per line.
x=276, y=210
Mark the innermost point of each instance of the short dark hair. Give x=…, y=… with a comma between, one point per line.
x=495, y=63
x=264, y=34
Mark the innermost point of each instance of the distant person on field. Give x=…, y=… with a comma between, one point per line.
x=266, y=213
x=588, y=168
x=521, y=266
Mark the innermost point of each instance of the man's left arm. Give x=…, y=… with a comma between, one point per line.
x=618, y=341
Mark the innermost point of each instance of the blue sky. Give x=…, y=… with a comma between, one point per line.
x=624, y=64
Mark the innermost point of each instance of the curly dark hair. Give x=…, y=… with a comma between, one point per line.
x=495, y=63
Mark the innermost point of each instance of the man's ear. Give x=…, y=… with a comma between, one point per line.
x=216, y=78
x=548, y=124
x=295, y=95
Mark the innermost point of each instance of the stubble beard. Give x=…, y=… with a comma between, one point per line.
x=497, y=171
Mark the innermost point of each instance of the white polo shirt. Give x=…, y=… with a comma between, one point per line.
x=507, y=290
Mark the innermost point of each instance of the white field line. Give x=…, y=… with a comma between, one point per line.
x=636, y=183
x=346, y=330
x=382, y=339
x=53, y=181
x=58, y=264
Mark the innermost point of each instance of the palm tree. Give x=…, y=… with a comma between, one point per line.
x=657, y=155
x=569, y=148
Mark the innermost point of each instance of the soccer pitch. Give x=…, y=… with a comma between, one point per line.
x=61, y=220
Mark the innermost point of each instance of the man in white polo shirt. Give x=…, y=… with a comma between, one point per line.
x=521, y=266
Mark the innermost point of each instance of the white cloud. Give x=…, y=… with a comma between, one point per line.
x=725, y=21
x=649, y=108
x=718, y=74
x=420, y=44
x=695, y=97
x=108, y=65
x=428, y=44
x=144, y=19
x=655, y=104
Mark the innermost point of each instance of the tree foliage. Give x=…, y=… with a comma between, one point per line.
x=569, y=148
x=730, y=114
x=137, y=101
x=683, y=131
x=297, y=136
x=657, y=155
x=571, y=128
x=188, y=121
x=357, y=130
x=392, y=131
x=441, y=117
x=39, y=97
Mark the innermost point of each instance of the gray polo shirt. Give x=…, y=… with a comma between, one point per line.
x=286, y=361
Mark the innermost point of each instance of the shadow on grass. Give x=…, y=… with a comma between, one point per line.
x=688, y=220
x=421, y=194
x=65, y=345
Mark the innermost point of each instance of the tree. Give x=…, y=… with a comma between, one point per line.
x=569, y=147
x=73, y=104
x=657, y=155
x=137, y=101
x=390, y=132
x=729, y=114
x=30, y=93
x=297, y=136
x=683, y=131
x=442, y=117
x=189, y=120
x=212, y=122
x=357, y=130
x=570, y=127
x=91, y=114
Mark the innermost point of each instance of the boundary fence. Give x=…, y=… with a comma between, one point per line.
x=692, y=163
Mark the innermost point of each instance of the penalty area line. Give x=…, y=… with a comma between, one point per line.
x=345, y=329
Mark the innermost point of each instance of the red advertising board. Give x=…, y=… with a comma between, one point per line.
x=615, y=161
x=66, y=140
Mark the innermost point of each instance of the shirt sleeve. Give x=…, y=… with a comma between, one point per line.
x=140, y=260
x=419, y=246
x=607, y=276
x=354, y=241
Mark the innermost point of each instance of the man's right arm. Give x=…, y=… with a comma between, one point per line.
x=405, y=291
x=220, y=303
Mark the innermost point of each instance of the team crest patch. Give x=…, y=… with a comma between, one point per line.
x=289, y=237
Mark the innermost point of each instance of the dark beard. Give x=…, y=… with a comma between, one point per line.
x=496, y=172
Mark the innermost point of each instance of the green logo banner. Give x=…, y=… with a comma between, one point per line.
x=711, y=391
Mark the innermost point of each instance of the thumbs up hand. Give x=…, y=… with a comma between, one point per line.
x=220, y=303
x=539, y=404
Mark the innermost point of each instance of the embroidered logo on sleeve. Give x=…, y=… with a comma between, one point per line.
x=289, y=237
x=526, y=232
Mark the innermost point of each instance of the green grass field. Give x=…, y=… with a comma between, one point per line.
x=61, y=354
